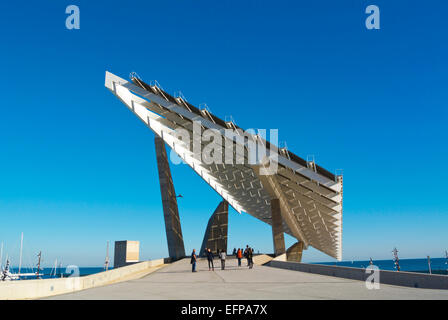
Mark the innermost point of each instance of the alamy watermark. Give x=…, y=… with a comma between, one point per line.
x=75, y=281
x=373, y=20
x=73, y=21
x=227, y=147
x=373, y=280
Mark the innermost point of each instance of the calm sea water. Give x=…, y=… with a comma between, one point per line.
x=49, y=272
x=438, y=265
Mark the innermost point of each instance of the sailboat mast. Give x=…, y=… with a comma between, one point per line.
x=446, y=257
x=1, y=258
x=21, y=247
x=55, y=267
x=38, y=264
x=106, y=263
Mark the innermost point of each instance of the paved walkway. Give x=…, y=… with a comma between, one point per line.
x=176, y=281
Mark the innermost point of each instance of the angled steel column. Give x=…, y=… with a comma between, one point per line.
x=277, y=228
x=294, y=252
x=215, y=236
x=174, y=237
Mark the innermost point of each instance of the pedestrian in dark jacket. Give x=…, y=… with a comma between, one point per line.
x=250, y=255
x=210, y=259
x=246, y=254
x=193, y=261
x=222, y=256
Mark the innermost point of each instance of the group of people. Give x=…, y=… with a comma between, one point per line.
x=239, y=254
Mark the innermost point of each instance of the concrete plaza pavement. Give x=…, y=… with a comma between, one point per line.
x=176, y=281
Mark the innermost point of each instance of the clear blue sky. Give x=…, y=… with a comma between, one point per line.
x=78, y=169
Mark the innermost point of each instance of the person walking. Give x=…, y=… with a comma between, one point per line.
x=210, y=259
x=246, y=254
x=193, y=261
x=250, y=255
x=222, y=256
x=234, y=252
x=239, y=255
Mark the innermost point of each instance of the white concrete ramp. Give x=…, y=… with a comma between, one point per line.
x=38, y=288
x=176, y=281
x=261, y=259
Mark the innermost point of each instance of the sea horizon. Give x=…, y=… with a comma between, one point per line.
x=438, y=265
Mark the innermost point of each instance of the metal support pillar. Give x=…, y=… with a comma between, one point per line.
x=277, y=228
x=215, y=236
x=174, y=237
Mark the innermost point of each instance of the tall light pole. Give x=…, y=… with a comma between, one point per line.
x=396, y=260
x=1, y=258
x=106, y=263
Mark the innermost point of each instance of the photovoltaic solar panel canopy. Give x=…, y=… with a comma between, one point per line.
x=310, y=196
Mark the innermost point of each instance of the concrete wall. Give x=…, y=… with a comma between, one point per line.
x=34, y=289
x=407, y=279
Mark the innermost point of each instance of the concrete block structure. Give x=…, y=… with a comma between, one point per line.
x=215, y=236
x=126, y=253
x=173, y=228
